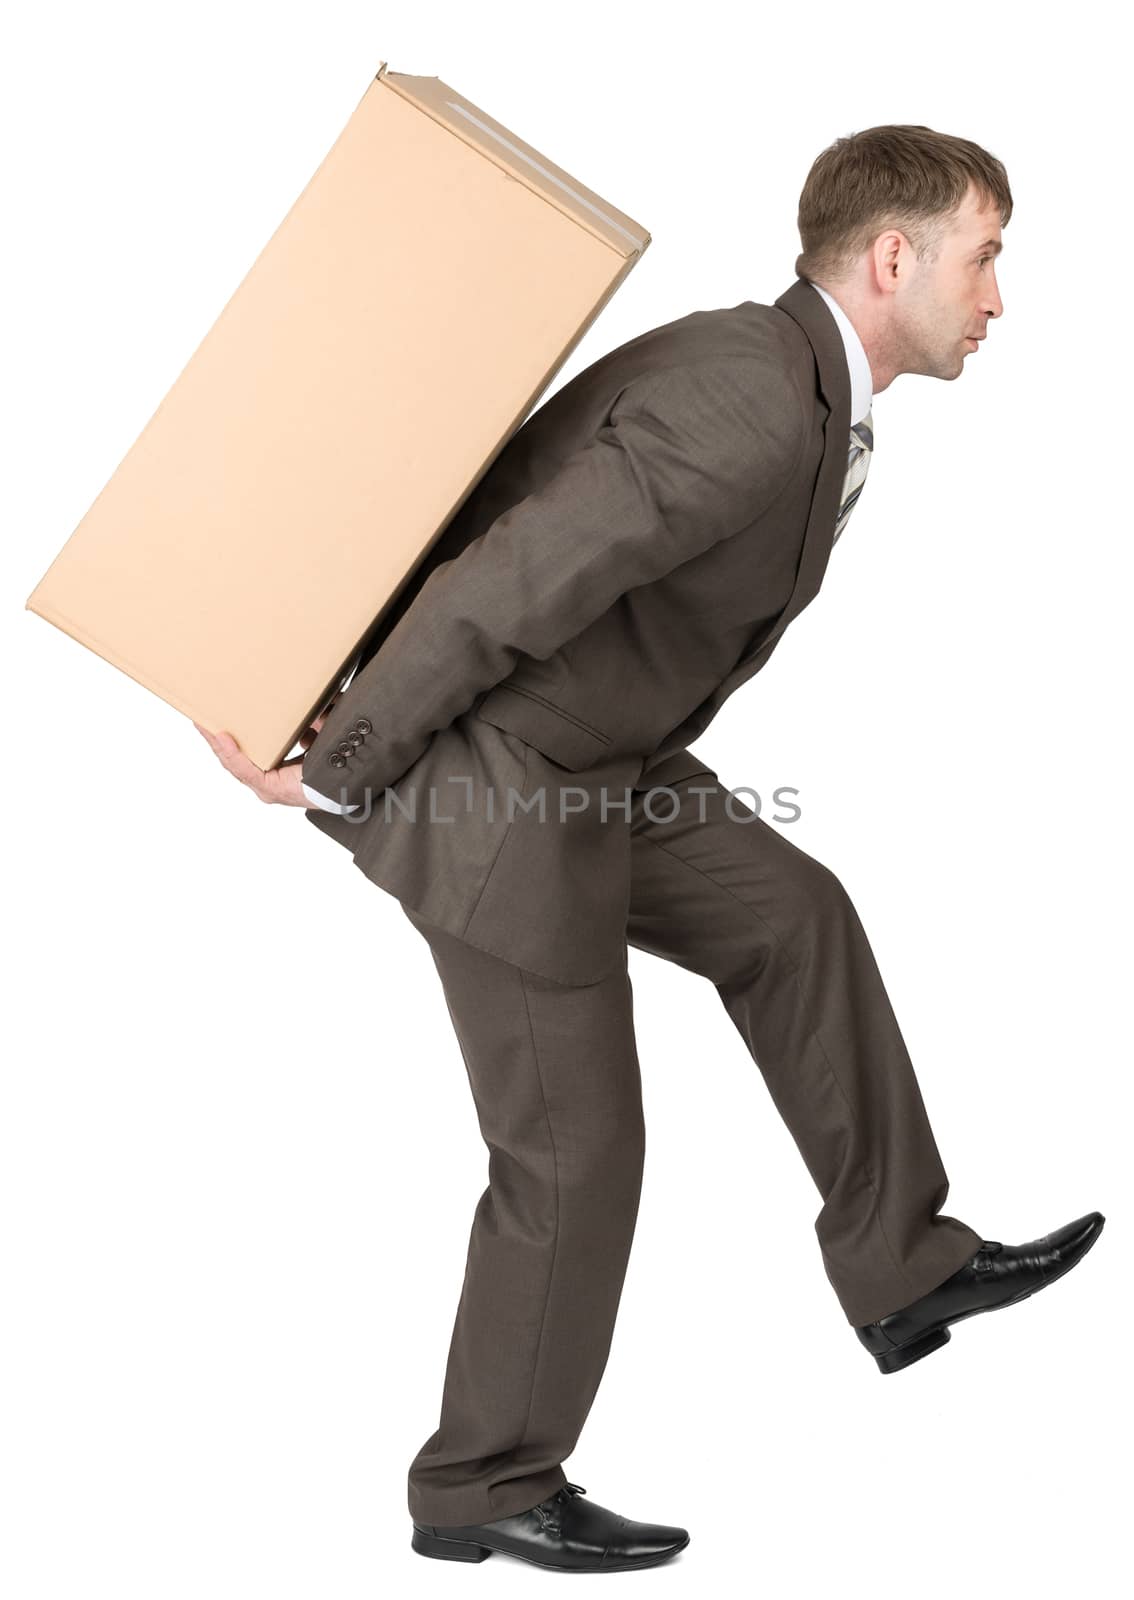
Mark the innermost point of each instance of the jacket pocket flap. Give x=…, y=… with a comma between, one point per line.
x=554, y=733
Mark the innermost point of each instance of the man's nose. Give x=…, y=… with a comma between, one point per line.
x=993, y=305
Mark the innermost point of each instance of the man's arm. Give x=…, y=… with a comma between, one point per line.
x=689, y=457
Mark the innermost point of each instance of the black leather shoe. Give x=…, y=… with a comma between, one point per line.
x=562, y=1531
x=998, y=1275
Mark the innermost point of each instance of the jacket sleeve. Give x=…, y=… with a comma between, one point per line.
x=688, y=457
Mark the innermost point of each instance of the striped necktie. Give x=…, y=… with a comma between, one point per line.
x=858, y=463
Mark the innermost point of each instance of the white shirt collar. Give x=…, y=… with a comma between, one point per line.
x=861, y=380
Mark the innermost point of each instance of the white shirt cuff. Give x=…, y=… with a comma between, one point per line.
x=322, y=803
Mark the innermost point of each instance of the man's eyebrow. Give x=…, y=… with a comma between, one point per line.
x=994, y=245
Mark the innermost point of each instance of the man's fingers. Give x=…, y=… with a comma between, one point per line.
x=278, y=785
x=232, y=757
x=307, y=737
x=219, y=741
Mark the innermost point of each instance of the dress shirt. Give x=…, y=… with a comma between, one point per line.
x=861, y=399
x=320, y=802
x=861, y=379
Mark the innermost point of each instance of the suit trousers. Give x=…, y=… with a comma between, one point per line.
x=554, y=1074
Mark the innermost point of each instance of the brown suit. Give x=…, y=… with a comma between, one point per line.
x=633, y=555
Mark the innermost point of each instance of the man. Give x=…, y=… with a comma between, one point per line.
x=634, y=554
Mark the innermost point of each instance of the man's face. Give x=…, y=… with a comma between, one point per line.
x=944, y=306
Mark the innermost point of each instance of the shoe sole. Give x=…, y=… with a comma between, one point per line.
x=431, y=1544
x=904, y=1355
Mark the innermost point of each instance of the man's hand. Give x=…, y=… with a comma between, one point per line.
x=279, y=786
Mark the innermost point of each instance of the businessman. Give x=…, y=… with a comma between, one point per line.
x=511, y=760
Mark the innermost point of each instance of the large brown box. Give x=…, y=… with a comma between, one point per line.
x=396, y=329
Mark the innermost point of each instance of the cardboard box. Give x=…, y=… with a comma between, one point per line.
x=392, y=335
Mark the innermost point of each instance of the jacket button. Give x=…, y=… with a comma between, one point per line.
x=346, y=748
x=364, y=725
x=336, y=760
x=355, y=739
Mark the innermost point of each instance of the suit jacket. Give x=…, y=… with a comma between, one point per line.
x=631, y=557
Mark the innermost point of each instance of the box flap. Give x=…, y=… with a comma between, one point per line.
x=467, y=121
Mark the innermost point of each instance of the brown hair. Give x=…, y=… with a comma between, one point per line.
x=902, y=176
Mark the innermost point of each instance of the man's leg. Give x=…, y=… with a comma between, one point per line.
x=777, y=934
x=555, y=1078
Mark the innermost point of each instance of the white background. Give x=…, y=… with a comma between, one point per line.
x=238, y=1156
